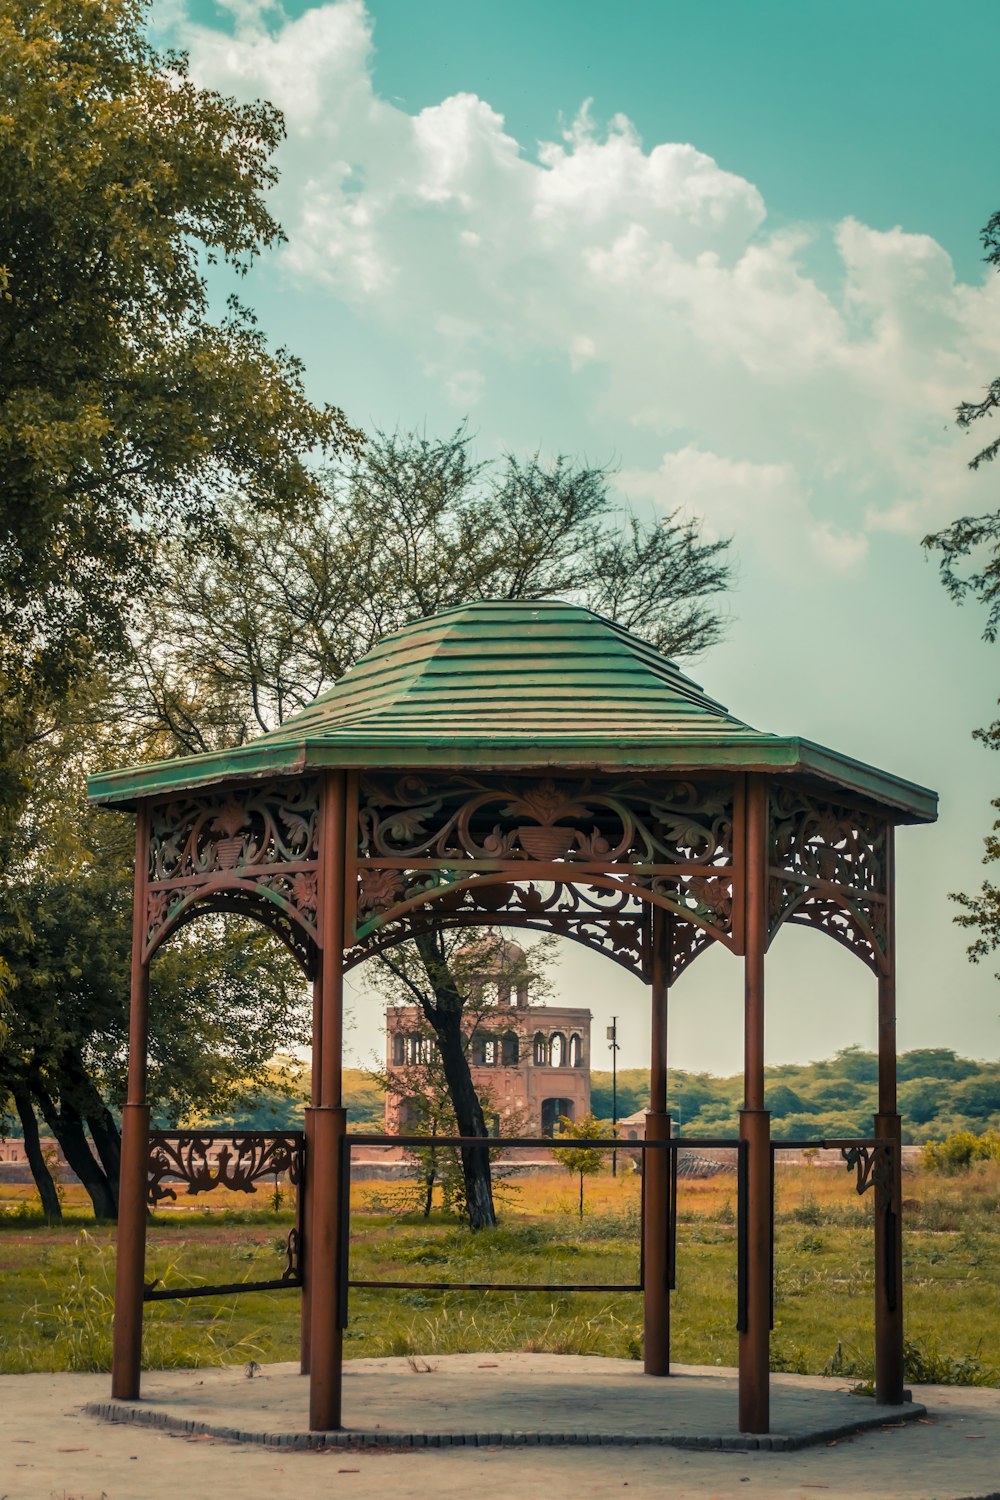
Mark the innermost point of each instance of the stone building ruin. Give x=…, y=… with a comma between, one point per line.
x=531, y=1061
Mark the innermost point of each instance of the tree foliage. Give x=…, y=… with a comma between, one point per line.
x=224, y=996
x=413, y=526
x=127, y=409
x=578, y=1160
x=939, y=1093
x=975, y=540
x=976, y=536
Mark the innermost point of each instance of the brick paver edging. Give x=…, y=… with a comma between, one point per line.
x=119, y=1411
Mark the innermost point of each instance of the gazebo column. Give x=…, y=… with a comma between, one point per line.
x=306, y=1186
x=327, y=1125
x=130, y=1263
x=656, y=1166
x=755, y=1132
x=888, y=1206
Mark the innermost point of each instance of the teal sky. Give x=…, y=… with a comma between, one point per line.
x=883, y=109
x=736, y=327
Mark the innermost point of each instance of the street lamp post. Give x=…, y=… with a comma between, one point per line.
x=613, y=1042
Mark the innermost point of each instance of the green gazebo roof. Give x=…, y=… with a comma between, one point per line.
x=513, y=686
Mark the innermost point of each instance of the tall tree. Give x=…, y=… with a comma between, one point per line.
x=127, y=408
x=442, y=975
x=975, y=541
x=410, y=527
x=66, y=929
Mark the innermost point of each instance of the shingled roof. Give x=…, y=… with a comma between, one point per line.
x=512, y=685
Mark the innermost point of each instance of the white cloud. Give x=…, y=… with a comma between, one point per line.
x=824, y=404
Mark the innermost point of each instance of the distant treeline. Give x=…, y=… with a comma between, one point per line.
x=940, y=1094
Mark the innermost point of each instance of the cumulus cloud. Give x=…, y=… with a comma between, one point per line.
x=769, y=392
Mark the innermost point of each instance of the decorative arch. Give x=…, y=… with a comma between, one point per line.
x=829, y=867
x=580, y=856
x=245, y=900
x=253, y=852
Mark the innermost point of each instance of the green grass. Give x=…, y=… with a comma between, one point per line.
x=55, y=1304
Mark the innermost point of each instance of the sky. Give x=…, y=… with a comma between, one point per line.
x=731, y=251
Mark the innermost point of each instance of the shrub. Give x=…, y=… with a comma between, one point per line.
x=957, y=1152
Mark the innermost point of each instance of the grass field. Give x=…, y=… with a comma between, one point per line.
x=55, y=1304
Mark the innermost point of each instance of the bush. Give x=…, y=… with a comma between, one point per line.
x=957, y=1152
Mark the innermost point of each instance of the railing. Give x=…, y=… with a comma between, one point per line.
x=244, y=1158
x=875, y=1160
x=515, y=1143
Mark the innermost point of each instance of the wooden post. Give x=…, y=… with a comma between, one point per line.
x=305, y=1187
x=755, y=1130
x=130, y=1263
x=656, y=1166
x=328, y=1122
x=888, y=1207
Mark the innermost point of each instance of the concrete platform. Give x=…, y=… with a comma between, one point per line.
x=500, y=1401
x=50, y=1448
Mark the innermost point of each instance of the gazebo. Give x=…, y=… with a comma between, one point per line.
x=524, y=765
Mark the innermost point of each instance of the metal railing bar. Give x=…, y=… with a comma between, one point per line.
x=227, y=1289
x=498, y=1286
x=676, y=1143
x=210, y=1133
x=829, y=1145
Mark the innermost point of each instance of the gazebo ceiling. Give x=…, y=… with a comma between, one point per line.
x=515, y=686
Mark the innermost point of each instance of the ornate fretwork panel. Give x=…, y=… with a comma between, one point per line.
x=204, y=1160
x=252, y=851
x=519, y=850
x=610, y=921
x=874, y=1167
x=687, y=942
x=828, y=868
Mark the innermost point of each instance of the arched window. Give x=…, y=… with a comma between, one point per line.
x=575, y=1051
x=541, y=1049
x=510, y=1053
x=485, y=1052
x=398, y=1049
x=557, y=1049
x=552, y=1112
x=419, y=1050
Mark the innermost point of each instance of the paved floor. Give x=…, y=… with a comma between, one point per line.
x=50, y=1450
x=500, y=1400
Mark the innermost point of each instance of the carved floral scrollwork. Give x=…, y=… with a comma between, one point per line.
x=427, y=839
x=610, y=921
x=687, y=942
x=874, y=1168
x=205, y=1160
x=462, y=818
x=253, y=851
x=829, y=869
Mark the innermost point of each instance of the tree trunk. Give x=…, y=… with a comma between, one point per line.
x=51, y=1207
x=430, y=1173
x=581, y=1195
x=446, y=1018
x=100, y=1121
x=67, y=1127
